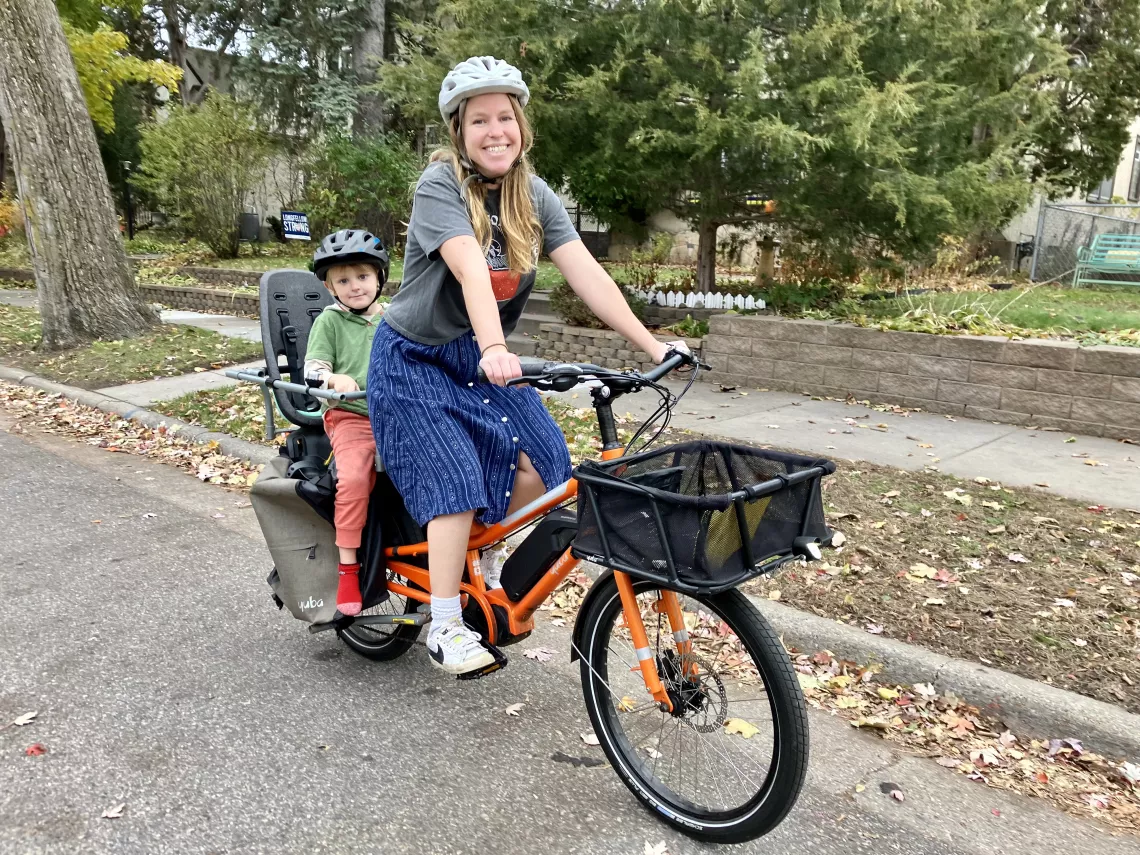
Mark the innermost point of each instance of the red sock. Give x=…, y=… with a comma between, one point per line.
x=348, y=589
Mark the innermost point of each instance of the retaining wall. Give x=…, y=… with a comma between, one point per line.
x=601, y=347
x=1090, y=390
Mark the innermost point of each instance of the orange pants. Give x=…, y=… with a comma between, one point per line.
x=355, y=451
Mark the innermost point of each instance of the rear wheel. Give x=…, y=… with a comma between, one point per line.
x=727, y=763
x=384, y=642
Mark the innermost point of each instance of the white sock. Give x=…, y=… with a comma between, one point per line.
x=444, y=609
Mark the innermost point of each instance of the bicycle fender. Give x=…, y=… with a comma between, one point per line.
x=599, y=583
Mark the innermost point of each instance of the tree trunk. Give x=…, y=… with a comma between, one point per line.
x=706, y=255
x=177, y=40
x=367, y=51
x=3, y=157
x=86, y=287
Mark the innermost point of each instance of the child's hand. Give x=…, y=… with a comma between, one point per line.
x=663, y=348
x=342, y=383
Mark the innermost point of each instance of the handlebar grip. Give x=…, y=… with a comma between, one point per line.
x=531, y=366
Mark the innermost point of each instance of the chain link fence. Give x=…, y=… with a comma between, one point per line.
x=1062, y=229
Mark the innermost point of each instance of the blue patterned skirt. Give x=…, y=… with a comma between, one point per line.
x=450, y=443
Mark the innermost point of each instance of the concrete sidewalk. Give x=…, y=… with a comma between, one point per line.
x=1016, y=456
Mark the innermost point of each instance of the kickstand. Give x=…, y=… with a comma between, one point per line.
x=499, y=664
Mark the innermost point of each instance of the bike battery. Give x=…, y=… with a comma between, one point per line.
x=535, y=555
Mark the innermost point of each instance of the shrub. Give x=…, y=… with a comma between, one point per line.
x=202, y=163
x=795, y=298
x=351, y=181
x=570, y=307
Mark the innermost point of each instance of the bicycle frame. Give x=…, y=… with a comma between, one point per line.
x=520, y=615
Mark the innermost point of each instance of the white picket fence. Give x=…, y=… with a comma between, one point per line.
x=693, y=300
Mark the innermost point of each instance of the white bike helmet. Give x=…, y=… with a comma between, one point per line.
x=480, y=75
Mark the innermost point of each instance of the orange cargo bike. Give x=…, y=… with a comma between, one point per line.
x=690, y=692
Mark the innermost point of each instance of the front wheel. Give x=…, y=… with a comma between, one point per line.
x=727, y=763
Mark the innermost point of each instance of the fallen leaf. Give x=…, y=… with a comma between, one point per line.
x=26, y=718
x=892, y=790
x=35, y=750
x=514, y=709
x=659, y=849
x=590, y=738
x=960, y=498
x=1079, y=642
x=1017, y=558
x=116, y=812
x=774, y=595
x=838, y=538
x=740, y=726
x=1063, y=603
x=997, y=530
x=874, y=628
x=626, y=704
x=934, y=601
x=539, y=654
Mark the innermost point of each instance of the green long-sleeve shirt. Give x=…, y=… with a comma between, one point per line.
x=343, y=342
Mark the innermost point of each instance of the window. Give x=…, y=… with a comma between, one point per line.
x=1102, y=192
x=1134, y=181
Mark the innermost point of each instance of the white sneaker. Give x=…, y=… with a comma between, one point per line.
x=492, y=562
x=455, y=648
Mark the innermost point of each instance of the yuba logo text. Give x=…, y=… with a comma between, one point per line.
x=312, y=604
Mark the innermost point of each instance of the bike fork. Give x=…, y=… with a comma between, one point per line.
x=645, y=655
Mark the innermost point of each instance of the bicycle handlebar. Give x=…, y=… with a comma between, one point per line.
x=534, y=368
x=297, y=388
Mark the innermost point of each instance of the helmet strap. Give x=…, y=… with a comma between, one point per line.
x=465, y=161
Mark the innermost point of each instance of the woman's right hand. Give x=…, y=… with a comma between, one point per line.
x=500, y=365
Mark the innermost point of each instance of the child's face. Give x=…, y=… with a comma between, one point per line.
x=355, y=285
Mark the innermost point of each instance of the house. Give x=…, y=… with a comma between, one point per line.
x=1050, y=230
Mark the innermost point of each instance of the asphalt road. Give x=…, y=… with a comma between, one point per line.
x=164, y=679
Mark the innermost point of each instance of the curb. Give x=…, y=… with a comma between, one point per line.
x=230, y=445
x=1024, y=705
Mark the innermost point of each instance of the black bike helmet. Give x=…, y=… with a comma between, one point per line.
x=351, y=246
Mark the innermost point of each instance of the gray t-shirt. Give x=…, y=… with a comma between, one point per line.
x=429, y=307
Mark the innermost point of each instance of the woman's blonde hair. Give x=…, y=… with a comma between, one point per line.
x=522, y=231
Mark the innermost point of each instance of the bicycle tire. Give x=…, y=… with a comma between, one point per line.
x=790, y=744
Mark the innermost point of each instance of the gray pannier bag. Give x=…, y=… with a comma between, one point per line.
x=302, y=543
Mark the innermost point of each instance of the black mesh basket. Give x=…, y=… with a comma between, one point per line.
x=699, y=516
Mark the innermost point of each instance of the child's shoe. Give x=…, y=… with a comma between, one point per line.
x=348, y=599
x=492, y=563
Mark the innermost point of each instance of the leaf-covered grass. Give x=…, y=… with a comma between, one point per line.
x=1042, y=308
x=237, y=410
x=166, y=351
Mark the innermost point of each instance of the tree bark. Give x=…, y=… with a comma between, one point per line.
x=367, y=52
x=706, y=255
x=3, y=157
x=86, y=287
x=177, y=40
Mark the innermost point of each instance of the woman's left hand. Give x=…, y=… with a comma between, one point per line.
x=663, y=348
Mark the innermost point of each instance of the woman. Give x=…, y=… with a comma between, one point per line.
x=454, y=447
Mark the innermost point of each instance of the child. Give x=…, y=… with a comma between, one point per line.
x=456, y=448
x=354, y=266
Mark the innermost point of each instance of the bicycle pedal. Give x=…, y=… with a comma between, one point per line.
x=498, y=665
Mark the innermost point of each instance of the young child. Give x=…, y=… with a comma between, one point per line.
x=354, y=266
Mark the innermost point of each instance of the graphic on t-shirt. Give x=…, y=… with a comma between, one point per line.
x=504, y=281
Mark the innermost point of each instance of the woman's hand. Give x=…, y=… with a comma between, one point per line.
x=342, y=383
x=663, y=348
x=500, y=365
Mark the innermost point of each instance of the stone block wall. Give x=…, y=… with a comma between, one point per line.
x=1090, y=390
x=664, y=315
x=601, y=347
x=212, y=300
